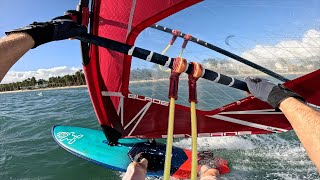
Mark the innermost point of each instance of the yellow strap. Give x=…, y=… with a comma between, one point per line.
x=181, y=52
x=194, y=162
x=163, y=53
x=166, y=49
x=164, y=69
x=167, y=165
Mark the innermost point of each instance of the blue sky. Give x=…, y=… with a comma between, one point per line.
x=18, y=13
x=250, y=22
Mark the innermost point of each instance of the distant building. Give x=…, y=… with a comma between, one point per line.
x=37, y=86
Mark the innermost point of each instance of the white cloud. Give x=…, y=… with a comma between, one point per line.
x=15, y=76
x=290, y=51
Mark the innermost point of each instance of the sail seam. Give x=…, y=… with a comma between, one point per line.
x=249, y=124
x=135, y=117
x=145, y=109
x=133, y=7
x=266, y=111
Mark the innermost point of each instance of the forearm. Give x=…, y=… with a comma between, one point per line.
x=306, y=123
x=12, y=48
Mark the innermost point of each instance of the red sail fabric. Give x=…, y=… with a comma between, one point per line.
x=145, y=117
x=109, y=70
x=107, y=76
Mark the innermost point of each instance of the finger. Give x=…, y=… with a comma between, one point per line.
x=144, y=163
x=252, y=79
x=256, y=79
x=264, y=80
x=248, y=79
x=203, y=169
x=250, y=83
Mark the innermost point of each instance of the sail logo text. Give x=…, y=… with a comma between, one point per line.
x=142, y=98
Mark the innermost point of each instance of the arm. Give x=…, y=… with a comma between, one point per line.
x=306, y=123
x=12, y=48
x=19, y=41
x=304, y=120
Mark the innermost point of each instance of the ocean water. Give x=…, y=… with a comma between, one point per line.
x=28, y=151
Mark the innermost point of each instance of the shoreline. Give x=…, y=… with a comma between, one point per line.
x=131, y=82
x=43, y=89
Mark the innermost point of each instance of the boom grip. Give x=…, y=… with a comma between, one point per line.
x=225, y=80
x=241, y=85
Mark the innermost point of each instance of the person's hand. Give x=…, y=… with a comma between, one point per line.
x=136, y=170
x=59, y=28
x=269, y=92
x=207, y=173
x=260, y=88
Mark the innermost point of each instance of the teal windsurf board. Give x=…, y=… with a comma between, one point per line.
x=92, y=145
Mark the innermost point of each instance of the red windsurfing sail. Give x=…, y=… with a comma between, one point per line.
x=108, y=70
x=134, y=115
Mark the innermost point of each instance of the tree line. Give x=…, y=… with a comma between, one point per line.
x=153, y=73
x=78, y=79
x=32, y=83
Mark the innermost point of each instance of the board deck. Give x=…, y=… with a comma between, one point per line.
x=92, y=145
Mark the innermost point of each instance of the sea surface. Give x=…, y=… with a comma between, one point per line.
x=28, y=151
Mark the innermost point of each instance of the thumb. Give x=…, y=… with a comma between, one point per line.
x=144, y=163
x=265, y=80
x=252, y=83
x=248, y=80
